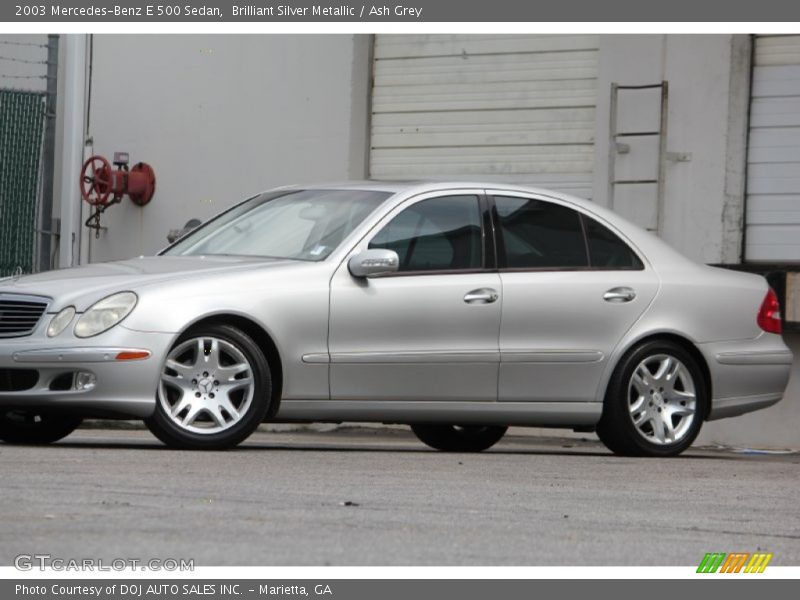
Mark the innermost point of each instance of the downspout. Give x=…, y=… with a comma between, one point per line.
x=72, y=148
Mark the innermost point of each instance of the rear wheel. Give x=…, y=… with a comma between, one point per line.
x=459, y=438
x=215, y=389
x=656, y=402
x=22, y=427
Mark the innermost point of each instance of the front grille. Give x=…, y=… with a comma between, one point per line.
x=19, y=315
x=17, y=380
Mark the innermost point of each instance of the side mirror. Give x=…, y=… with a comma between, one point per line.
x=371, y=263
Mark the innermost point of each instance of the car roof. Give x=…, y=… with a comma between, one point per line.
x=422, y=186
x=362, y=185
x=413, y=187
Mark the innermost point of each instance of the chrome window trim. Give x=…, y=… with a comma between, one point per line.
x=585, y=214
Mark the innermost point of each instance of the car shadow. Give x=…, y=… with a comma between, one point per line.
x=497, y=452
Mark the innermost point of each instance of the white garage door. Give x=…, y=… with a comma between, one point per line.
x=512, y=108
x=773, y=169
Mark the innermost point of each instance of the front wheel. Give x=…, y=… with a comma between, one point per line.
x=459, y=438
x=655, y=403
x=22, y=427
x=215, y=389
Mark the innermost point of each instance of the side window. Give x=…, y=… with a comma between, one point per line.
x=537, y=235
x=435, y=235
x=606, y=250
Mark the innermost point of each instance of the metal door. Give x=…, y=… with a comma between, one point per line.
x=773, y=157
x=517, y=106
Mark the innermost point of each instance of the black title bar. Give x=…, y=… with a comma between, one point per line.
x=411, y=11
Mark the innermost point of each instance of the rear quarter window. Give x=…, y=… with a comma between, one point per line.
x=607, y=250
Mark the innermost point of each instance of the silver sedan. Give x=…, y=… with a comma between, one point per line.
x=459, y=309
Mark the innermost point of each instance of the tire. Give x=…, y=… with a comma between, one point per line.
x=655, y=403
x=459, y=438
x=215, y=388
x=19, y=427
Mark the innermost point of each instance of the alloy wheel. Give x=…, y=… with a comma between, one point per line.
x=207, y=385
x=662, y=400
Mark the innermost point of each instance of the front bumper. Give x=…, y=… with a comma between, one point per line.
x=125, y=388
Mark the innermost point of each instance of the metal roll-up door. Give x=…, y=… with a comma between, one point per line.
x=508, y=107
x=773, y=162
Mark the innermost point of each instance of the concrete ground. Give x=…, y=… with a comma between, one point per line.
x=379, y=497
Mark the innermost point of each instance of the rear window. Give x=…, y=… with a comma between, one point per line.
x=539, y=235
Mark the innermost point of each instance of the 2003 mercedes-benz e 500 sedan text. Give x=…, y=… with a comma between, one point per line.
x=459, y=309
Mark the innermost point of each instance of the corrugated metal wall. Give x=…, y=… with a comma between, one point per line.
x=773, y=163
x=517, y=108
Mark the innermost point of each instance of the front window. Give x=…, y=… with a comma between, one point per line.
x=439, y=234
x=299, y=225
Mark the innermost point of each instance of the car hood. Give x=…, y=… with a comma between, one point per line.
x=85, y=285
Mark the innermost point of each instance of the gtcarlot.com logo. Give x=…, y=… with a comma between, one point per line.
x=735, y=562
x=42, y=562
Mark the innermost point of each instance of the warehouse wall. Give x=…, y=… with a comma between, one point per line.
x=221, y=118
x=708, y=79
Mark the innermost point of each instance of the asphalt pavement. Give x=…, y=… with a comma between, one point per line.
x=379, y=497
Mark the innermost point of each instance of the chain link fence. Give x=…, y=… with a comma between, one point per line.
x=28, y=70
x=22, y=119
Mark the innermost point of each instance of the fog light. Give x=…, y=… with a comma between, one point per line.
x=84, y=381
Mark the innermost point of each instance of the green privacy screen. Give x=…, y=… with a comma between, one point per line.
x=21, y=136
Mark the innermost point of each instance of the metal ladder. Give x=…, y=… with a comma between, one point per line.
x=618, y=147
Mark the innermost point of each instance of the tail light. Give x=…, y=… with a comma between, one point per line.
x=769, y=315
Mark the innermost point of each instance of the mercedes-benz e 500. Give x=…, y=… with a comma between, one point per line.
x=459, y=309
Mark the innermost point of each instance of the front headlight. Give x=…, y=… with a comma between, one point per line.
x=105, y=314
x=60, y=321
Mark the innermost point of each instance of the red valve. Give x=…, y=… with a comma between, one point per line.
x=99, y=181
x=96, y=180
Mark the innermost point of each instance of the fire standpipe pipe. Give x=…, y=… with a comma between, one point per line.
x=103, y=186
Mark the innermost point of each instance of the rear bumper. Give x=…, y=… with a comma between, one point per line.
x=123, y=388
x=731, y=407
x=747, y=375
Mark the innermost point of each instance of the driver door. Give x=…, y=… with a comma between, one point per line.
x=430, y=331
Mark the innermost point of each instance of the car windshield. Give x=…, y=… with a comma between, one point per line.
x=299, y=225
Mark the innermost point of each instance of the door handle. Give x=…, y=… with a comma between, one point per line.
x=481, y=296
x=619, y=294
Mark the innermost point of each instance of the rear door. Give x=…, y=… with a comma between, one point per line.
x=572, y=287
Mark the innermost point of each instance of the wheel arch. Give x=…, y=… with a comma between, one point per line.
x=680, y=340
x=263, y=340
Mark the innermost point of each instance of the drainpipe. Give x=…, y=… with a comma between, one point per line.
x=72, y=148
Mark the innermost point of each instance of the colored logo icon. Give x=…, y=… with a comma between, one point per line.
x=735, y=562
